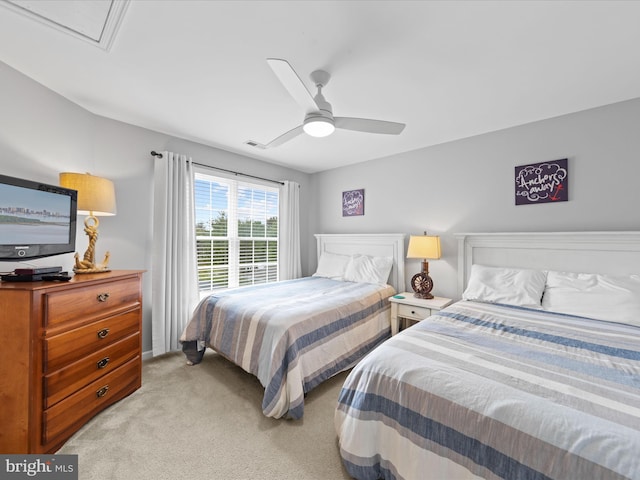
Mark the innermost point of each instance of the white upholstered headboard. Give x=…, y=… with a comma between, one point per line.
x=374, y=244
x=614, y=253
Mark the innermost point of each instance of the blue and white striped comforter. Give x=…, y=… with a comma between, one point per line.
x=488, y=391
x=291, y=335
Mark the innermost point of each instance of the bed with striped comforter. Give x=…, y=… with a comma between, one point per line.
x=291, y=335
x=496, y=392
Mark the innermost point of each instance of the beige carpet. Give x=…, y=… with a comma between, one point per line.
x=206, y=422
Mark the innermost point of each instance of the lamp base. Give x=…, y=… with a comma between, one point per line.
x=87, y=264
x=422, y=285
x=425, y=296
x=91, y=270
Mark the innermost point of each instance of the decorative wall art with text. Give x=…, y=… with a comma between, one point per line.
x=353, y=203
x=542, y=182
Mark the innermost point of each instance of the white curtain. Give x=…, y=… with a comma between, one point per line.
x=289, y=255
x=174, y=269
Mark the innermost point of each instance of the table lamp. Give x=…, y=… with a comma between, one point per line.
x=96, y=197
x=424, y=247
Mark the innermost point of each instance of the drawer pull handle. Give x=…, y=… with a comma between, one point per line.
x=103, y=333
x=103, y=363
x=102, y=392
x=413, y=312
x=102, y=297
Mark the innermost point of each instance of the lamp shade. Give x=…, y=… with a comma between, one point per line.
x=424, y=246
x=96, y=195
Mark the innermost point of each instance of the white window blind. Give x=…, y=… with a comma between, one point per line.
x=237, y=228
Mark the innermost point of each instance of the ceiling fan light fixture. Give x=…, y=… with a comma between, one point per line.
x=319, y=120
x=318, y=127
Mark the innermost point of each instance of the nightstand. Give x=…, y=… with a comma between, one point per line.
x=412, y=308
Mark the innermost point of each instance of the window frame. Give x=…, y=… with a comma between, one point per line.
x=234, y=240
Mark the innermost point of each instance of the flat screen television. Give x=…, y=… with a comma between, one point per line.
x=36, y=220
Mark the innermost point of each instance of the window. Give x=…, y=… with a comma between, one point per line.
x=237, y=225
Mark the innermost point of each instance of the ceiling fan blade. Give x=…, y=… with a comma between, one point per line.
x=369, y=126
x=285, y=137
x=291, y=81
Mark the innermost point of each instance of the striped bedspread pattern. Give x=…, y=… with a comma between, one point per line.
x=291, y=335
x=499, y=392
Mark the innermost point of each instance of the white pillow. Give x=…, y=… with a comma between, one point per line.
x=603, y=297
x=366, y=269
x=332, y=265
x=509, y=286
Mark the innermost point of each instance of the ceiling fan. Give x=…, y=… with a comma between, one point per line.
x=319, y=120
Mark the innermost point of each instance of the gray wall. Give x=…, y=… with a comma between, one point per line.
x=43, y=134
x=468, y=185
x=460, y=186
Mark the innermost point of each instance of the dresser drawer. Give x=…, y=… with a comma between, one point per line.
x=69, y=415
x=68, y=380
x=65, y=348
x=80, y=303
x=412, y=312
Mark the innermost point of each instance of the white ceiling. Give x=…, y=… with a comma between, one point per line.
x=449, y=70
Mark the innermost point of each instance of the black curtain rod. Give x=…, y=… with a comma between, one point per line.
x=159, y=155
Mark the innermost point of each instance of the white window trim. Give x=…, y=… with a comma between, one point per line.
x=232, y=225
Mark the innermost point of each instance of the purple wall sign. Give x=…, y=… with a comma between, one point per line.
x=353, y=203
x=542, y=182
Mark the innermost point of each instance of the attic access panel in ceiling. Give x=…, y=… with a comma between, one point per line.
x=94, y=21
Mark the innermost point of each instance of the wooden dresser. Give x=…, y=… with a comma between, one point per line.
x=69, y=350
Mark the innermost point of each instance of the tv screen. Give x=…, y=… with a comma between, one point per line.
x=36, y=219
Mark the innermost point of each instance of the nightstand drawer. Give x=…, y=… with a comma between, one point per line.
x=412, y=312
